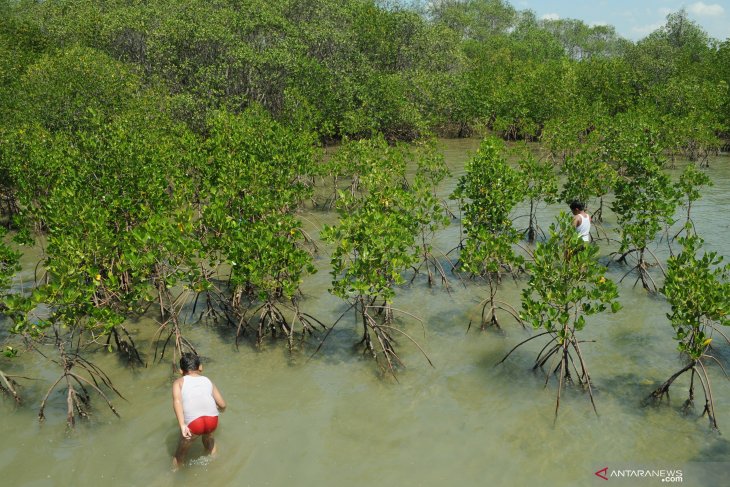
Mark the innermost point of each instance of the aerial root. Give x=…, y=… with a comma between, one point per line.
x=8, y=385
x=663, y=391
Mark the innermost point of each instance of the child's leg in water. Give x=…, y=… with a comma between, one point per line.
x=182, y=448
x=209, y=444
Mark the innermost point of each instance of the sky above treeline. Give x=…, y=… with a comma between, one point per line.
x=633, y=19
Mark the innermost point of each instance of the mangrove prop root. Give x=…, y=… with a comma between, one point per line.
x=265, y=318
x=561, y=365
x=78, y=401
x=8, y=386
x=663, y=390
x=586, y=379
x=641, y=268
x=709, y=401
x=331, y=328
x=382, y=338
x=125, y=346
x=689, y=403
x=522, y=343
x=698, y=369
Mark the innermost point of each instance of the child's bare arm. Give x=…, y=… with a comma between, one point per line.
x=219, y=399
x=577, y=219
x=177, y=407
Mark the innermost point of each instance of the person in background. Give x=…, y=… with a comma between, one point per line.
x=581, y=220
x=196, y=402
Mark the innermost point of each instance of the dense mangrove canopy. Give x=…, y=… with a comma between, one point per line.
x=353, y=67
x=157, y=155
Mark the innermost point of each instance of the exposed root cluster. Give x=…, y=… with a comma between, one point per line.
x=79, y=377
x=561, y=352
x=698, y=370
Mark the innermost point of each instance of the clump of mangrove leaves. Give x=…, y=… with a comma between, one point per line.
x=698, y=290
x=566, y=285
x=375, y=241
x=687, y=189
x=487, y=193
x=258, y=176
x=645, y=199
x=540, y=185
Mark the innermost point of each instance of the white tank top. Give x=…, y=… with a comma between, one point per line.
x=584, y=229
x=197, y=398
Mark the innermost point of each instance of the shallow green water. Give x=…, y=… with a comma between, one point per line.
x=335, y=420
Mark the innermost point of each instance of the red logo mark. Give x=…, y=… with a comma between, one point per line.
x=602, y=473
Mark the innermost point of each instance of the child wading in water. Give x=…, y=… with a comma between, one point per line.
x=581, y=220
x=196, y=402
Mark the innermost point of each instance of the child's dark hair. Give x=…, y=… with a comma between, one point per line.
x=577, y=205
x=188, y=362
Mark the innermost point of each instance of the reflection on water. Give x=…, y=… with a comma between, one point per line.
x=334, y=420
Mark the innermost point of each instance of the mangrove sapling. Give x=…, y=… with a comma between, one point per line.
x=540, y=186
x=687, y=187
x=487, y=193
x=566, y=284
x=63, y=311
x=428, y=210
x=268, y=266
x=375, y=242
x=357, y=158
x=258, y=182
x=490, y=256
x=373, y=247
x=645, y=203
x=112, y=204
x=158, y=269
x=698, y=290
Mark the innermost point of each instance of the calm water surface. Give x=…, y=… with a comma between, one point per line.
x=334, y=420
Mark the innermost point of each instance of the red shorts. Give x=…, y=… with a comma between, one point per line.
x=203, y=425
